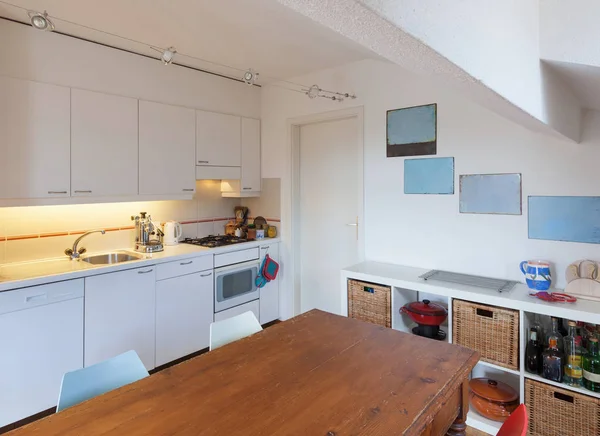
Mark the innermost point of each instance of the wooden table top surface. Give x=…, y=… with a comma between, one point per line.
x=316, y=374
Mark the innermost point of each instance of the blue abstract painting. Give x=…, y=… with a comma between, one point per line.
x=572, y=219
x=490, y=193
x=412, y=131
x=429, y=176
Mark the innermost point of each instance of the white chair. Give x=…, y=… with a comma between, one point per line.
x=231, y=329
x=85, y=383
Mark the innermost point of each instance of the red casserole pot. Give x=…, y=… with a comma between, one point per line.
x=425, y=312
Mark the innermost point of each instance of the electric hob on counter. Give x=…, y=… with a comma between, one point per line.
x=214, y=241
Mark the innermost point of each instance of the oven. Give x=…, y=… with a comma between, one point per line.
x=236, y=284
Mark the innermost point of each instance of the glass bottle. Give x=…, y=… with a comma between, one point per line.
x=573, y=353
x=533, y=353
x=555, y=333
x=561, y=327
x=552, y=360
x=591, y=367
x=537, y=325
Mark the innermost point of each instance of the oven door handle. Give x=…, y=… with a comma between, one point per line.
x=237, y=266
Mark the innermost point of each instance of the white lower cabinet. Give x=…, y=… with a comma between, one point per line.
x=252, y=306
x=184, y=311
x=41, y=332
x=120, y=315
x=269, y=294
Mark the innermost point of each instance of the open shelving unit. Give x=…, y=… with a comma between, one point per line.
x=406, y=287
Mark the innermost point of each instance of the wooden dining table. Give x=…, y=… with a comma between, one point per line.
x=315, y=374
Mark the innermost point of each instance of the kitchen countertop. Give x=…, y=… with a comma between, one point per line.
x=24, y=274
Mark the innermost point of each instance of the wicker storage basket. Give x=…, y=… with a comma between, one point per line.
x=558, y=412
x=370, y=302
x=493, y=331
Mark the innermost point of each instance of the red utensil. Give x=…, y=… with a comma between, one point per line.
x=556, y=297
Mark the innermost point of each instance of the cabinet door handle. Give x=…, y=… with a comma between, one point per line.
x=186, y=263
x=146, y=272
x=35, y=298
x=187, y=190
x=203, y=161
x=247, y=188
x=206, y=275
x=83, y=192
x=57, y=192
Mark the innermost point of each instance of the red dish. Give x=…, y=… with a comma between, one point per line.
x=425, y=312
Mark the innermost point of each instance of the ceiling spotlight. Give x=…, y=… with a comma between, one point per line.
x=250, y=77
x=313, y=92
x=168, y=55
x=40, y=21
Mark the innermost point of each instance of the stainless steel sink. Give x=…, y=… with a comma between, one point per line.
x=110, y=258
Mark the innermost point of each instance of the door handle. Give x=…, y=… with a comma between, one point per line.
x=203, y=161
x=57, y=192
x=35, y=298
x=146, y=272
x=354, y=224
x=187, y=190
x=206, y=275
x=186, y=263
x=83, y=192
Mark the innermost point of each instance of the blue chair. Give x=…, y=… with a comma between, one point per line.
x=82, y=384
x=231, y=329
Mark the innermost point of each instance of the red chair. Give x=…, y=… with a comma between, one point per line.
x=516, y=424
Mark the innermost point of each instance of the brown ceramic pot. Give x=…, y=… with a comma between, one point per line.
x=493, y=399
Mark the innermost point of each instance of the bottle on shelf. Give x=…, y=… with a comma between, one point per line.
x=553, y=361
x=533, y=353
x=561, y=327
x=537, y=325
x=554, y=332
x=573, y=354
x=591, y=367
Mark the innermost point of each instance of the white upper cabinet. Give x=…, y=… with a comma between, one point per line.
x=34, y=139
x=167, y=149
x=104, y=144
x=250, y=154
x=218, y=139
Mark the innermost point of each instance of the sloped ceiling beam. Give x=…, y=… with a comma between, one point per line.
x=559, y=113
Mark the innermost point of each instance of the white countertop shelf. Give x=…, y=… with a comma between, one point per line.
x=541, y=379
x=518, y=298
x=24, y=274
x=499, y=368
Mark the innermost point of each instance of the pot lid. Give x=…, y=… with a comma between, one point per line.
x=426, y=307
x=493, y=390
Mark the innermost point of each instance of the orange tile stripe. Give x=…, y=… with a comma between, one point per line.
x=112, y=229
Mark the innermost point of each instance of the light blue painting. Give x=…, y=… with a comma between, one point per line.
x=573, y=219
x=429, y=176
x=412, y=131
x=490, y=193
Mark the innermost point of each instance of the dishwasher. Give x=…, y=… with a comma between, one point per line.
x=41, y=338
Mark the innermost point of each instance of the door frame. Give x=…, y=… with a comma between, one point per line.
x=293, y=128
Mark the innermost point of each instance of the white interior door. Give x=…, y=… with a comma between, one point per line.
x=330, y=191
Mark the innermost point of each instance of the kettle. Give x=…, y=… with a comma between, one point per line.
x=173, y=232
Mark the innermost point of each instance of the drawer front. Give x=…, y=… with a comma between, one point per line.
x=183, y=267
x=236, y=257
x=33, y=296
x=252, y=306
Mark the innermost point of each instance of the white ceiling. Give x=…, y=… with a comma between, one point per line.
x=583, y=80
x=260, y=34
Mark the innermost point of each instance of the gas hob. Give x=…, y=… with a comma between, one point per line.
x=214, y=241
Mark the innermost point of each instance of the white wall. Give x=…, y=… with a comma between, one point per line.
x=54, y=58
x=496, y=41
x=428, y=231
x=569, y=31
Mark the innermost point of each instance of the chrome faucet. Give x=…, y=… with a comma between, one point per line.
x=74, y=253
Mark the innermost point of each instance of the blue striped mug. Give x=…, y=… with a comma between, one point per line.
x=537, y=274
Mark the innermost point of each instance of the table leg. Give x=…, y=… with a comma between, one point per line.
x=459, y=426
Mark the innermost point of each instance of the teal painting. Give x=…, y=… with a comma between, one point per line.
x=429, y=176
x=412, y=131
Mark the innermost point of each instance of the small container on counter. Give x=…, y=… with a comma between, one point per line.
x=493, y=399
x=272, y=232
x=251, y=233
x=260, y=234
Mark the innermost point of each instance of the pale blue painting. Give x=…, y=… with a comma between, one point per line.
x=573, y=219
x=412, y=131
x=429, y=176
x=490, y=193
